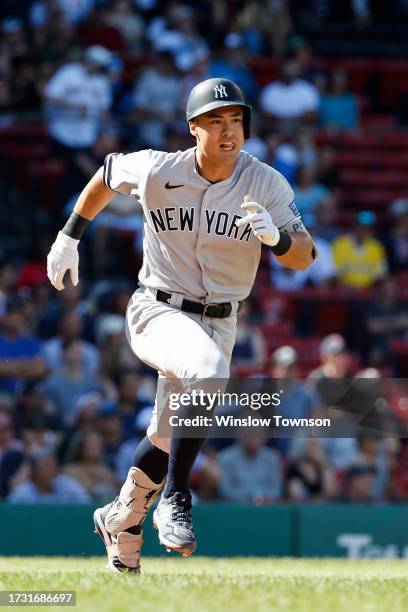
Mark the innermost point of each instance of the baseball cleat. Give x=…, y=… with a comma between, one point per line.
x=123, y=549
x=172, y=518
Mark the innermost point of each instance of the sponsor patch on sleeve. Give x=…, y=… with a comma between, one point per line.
x=294, y=208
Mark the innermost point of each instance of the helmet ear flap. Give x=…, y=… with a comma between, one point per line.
x=247, y=122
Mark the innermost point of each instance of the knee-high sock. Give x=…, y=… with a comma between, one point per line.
x=183, y=452
x=151, y=460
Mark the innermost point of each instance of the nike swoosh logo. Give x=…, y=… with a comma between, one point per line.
x=168, y=186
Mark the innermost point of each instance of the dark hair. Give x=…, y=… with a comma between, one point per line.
x=37, y=456
x=66, y=344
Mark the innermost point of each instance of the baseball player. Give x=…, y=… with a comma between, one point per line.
x=207, y=211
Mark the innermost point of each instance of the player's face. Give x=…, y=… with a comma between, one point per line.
x=220, y=133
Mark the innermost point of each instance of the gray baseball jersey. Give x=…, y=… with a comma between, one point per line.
x=191, y=242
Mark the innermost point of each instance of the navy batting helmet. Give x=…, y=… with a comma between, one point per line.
x=215, y=93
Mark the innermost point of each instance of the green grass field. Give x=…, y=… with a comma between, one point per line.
x=214, y=585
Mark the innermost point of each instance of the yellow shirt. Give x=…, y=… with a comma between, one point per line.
x=359, y=265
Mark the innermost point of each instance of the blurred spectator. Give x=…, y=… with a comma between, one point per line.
x=299, y=50
x=7, y=279
x=116, y=354
x=110, y=331
x=310, y=477
x=256, y=145
x=154, y=112
x=130, y=400
x=35, y=436
x=333, y=385
x=67, y=384
x=309, y=194
x=73, y=12
x=78, y=100
x=359, y=483
x=290, y=99
x=86, y=466
x=122, y=16
x=178, y=34
x=109, y=425
x=23, y=93
x=86, y=162
x=359, y=257
x=70, y=328
x=328, y=170
x=32, y=404
x=33, y=271
x=334, y=356
x=71, y=300
x=47, y=485
x=297, y=401
x=320, y=273
x=11, y=455
x=289, y=152
x=346, y=12
x=232, y=64
x=197, y=73
x=396, y=241
x=54, y=42
x=205, y=475
x=265, y=24
x=372, y=454
x=21, y=355
x=341, y=452
x=98, y=30
x=250, y=472
x=384, y=319
x=399, y=473
x=13, y=45
x=117, y=242
x=282, y=154
x=324, y=225
x=338, y=107
x=249, y=349
x=126, y=451
x=86, y=414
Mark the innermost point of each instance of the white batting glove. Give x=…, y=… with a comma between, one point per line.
x=261, y=223
x=63, y=256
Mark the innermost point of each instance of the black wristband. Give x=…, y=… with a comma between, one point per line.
x=75, y=226
x=283, y=245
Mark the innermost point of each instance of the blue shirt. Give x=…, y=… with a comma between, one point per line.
x=65, y=490
x=307, y=200
x=23, y=347
x=338, y=111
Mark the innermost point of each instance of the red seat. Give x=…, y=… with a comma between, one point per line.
x=372, y=178
x=48, y=173
x=22, y=154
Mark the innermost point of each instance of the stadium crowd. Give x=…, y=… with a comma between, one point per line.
x=82, y=79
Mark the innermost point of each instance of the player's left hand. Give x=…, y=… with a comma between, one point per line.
x=62, y=257
x=261, y=223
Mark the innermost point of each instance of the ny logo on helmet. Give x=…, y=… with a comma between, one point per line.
x=220, y=91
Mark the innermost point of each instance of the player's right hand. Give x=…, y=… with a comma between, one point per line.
x=62, y=257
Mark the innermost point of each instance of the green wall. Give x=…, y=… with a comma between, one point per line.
x=222, y=530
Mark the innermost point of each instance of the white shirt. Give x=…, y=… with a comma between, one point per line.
x=289, y=101
x=92, y=92
x=148, y=94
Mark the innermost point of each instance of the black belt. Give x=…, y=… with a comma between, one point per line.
x=214, y=311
